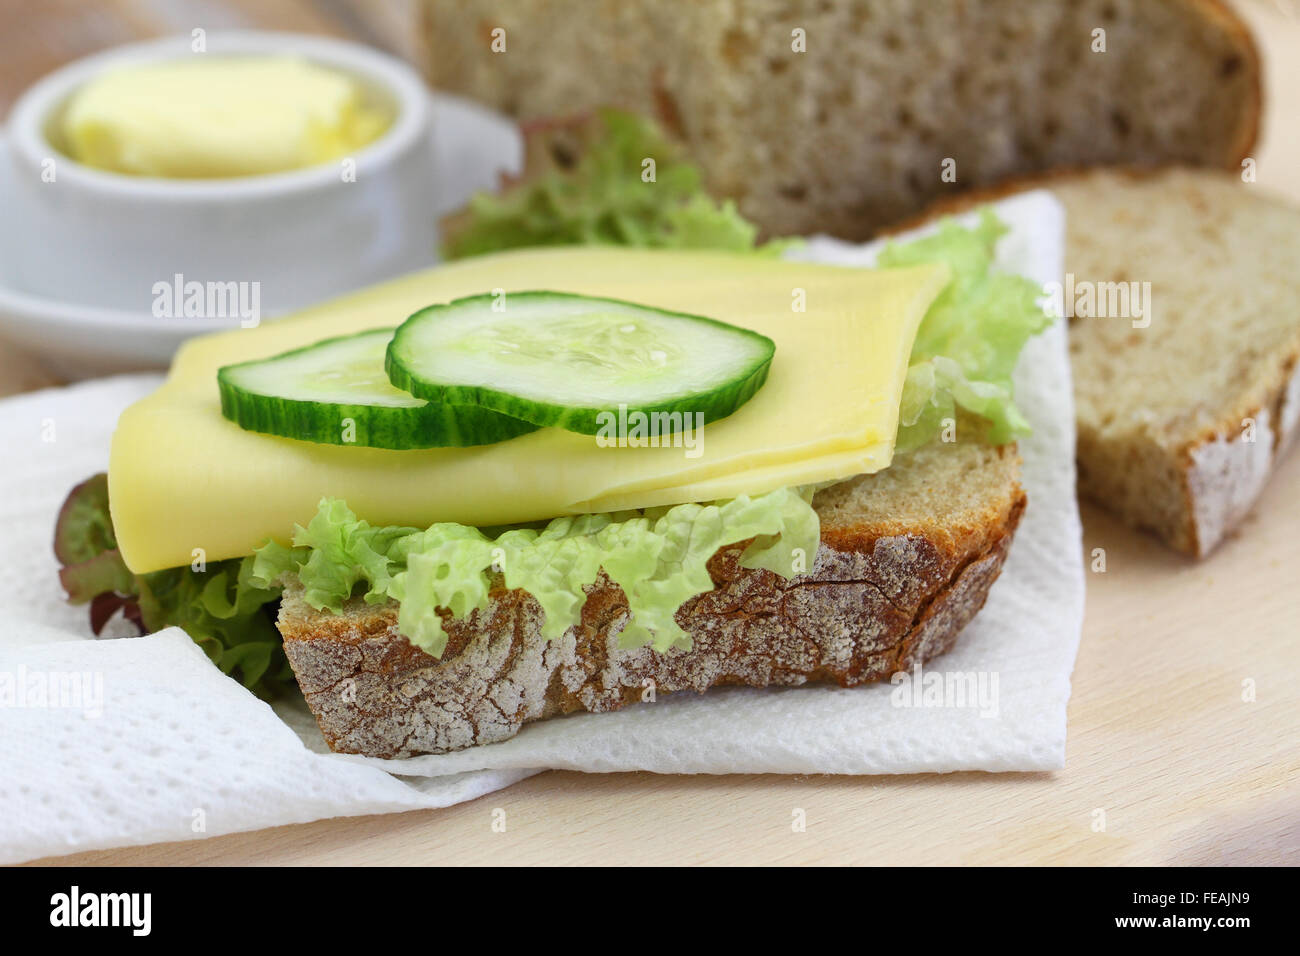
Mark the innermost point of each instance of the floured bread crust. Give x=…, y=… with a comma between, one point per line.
x=877, y=599
x=1225, y=471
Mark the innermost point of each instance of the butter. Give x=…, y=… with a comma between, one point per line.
x=214, y=117
x=182, y=477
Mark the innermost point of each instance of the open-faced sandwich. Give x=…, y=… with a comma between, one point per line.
x=567, y=479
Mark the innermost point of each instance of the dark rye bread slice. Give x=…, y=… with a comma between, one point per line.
x=906, y=560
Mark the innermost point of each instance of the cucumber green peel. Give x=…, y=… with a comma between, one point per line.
x=335, y=392
x=562, y=360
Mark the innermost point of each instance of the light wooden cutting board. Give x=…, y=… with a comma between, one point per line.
x=1167, y=762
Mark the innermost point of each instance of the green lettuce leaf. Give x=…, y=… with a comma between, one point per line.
x=659, y=557
x=223, y=608
x=970, y=339
x=583, y=184
x=225, y=613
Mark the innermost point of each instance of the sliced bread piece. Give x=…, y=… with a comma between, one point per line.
x=906, y=560
x=1180, y=422
x=1182, y=411
x=853, y=133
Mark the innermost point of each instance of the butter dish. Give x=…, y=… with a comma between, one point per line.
x=102, y=272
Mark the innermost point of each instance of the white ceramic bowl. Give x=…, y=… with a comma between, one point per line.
x=471, y=147
x=102, y=240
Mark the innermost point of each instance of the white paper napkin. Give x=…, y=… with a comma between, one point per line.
x=114, y=742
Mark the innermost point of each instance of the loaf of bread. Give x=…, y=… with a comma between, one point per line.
x=906, y=559
x=859, y=129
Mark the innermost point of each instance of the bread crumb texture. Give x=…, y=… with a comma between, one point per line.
x=853, y=132
x=906, y=560
x=1180, y=422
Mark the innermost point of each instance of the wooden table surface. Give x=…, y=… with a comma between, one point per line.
x=1162, y=738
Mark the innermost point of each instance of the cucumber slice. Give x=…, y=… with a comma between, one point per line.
x=336, y=393
x=561, y=360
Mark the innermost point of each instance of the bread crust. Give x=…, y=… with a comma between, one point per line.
x=876, y=600
x=1223, y=472
x=1218, y=11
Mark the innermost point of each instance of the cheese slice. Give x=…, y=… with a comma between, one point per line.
x=184, y=481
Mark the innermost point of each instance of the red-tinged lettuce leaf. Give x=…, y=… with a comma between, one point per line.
x=104, y=606
x=224, y=609
x=103, y=574
x=84, y=528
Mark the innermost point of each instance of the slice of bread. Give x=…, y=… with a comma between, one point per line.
x=906, y=560
x=854, y=133
x=1181, y=422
